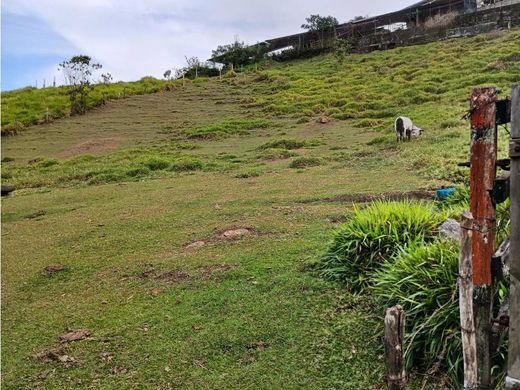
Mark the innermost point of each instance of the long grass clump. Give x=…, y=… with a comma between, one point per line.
x=375, y=234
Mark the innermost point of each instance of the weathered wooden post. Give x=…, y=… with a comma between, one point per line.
x=482, y=172
x=467, y=320
x=513, y=378
x=394, y=348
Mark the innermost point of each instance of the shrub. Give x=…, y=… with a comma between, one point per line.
x=304, y=162
x=276, y=154
x=373, y=235
x=157, y=164
x=47, y=162
x=7, y=159
x=284, y=144
x=249, y=173
x=139, y=171
x=186, y=165
x=12, y=129
x=423, y=280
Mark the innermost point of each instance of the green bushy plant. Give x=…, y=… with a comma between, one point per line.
x=304, y=162
x=374, y=234
x=423, y=279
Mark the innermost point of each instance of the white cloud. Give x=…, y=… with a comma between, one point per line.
x=136, y=38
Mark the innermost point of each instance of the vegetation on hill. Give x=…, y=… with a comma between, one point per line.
x=188, y=220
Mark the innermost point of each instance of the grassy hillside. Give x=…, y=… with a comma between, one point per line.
x=28, y=105
x=137, y=199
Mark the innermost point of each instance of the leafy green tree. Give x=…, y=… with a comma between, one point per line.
x=317, y=23
x=320, y=25
x=238, y=53
x=78, y=72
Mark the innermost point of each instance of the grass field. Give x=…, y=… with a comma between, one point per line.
x=137, y=198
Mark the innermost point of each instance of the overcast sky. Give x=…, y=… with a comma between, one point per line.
x=134, y=38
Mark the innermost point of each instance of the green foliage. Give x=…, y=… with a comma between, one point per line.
x=316, y=23
x=27, y=106
x=423, y=280
x=156, y=163
x=284, y=144
x=305, y=162
x=375, y=234
x=12, y=128
x=276, y=154
x=78, y=72
x=226, y=128
x=238, y=53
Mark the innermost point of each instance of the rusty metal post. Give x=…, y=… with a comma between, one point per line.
x=483, y=172
x=513, y=378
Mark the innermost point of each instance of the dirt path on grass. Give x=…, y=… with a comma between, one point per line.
x=92, y=146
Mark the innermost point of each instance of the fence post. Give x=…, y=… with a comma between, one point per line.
x=394, y=348
x=513, y=378
x=483, y=172
x=467, y=323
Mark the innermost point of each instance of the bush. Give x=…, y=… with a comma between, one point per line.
x=373, y=235
x=276, y=154
x=157, y=164
x=423, y=280
x=304, y=162
x=12, y=129
x=140, y=171
x=186, y=165
x=284, y=144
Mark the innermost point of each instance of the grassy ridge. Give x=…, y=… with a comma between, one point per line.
x=28, y=105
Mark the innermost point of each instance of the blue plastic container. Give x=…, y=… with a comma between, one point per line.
x=443, y=193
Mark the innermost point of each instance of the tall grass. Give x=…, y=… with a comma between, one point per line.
x=375, y=234
x=28, y=105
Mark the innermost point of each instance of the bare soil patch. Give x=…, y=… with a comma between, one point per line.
x=235, y=233
x=74, y=335
x=52, y=269
x=93, y=146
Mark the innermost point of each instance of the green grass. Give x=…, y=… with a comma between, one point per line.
x=130, y=184
x=28, y=105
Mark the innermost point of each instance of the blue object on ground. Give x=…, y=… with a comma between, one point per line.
x=443, y=193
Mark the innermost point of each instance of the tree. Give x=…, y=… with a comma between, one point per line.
x=320, y=24
x=167, y=74
x=78, y=72
x=106, y=78
x=317, y=23
x=238, y=53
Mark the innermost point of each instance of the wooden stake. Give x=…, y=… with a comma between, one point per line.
x=513, y=378
x=394, y=348
x=469, y=342
x=483, y=172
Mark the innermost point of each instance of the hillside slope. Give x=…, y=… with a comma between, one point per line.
x=187, y=220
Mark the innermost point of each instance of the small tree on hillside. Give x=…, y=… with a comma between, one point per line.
x=167, y=74
x=320, y=24
x=78, y=73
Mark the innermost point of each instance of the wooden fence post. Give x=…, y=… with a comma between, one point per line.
x=513, y=378
x=467, y=323
x=394, y=348
x=483, y=172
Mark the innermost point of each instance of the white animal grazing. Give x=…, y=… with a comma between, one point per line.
x=405, y=129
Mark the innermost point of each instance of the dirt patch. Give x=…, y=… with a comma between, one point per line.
x=175, y=276
x=36, y=214
x=55, y=354
x=235, y=233
x=93, y=146
x=52, y=269
x=74, y=335
x=193, y=245
x=365, y=198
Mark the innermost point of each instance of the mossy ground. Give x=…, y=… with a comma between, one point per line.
x=124, y=188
